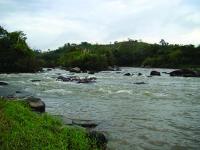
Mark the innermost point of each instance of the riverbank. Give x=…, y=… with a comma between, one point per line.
x=22, y=129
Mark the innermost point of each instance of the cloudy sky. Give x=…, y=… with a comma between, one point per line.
x=51, y=23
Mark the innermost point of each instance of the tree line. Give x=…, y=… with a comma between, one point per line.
x=17, y=56
x=127, y=53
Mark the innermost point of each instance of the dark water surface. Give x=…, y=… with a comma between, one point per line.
x=163, y=114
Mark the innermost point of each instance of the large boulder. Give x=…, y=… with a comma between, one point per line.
x=36, y=104
x=155, y=73
x=76, y=70
x=3, y=83
x=184, y=73
x=99, y=137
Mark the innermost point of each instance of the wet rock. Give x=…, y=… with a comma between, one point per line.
x=75, y=70
x=139, y=74
x=35, y=80
x=155, y=73
x=139, y=83
x=118, y=72
x=99, y=137
x=36, y=104
x=3, y=83
x=49, y=69
x=77, y=79
x=184, y=73
x=87, y=80
x=18, y=92
x=85, y=123
x=127, y=74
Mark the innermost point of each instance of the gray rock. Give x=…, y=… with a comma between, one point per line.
x=35, y=80
x=184, y=73
x=36, y=104
x=85, y=123
x=127, y=74
x=3, y=83
x=155, y=73
x=139, y=83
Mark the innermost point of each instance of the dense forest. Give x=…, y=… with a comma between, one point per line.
x=127, y=53
x=17, y=56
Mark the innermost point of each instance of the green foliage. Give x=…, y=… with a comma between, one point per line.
x=127, y=53
x=22, y=129
x=15, y=54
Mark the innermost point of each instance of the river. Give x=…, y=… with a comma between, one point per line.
x=162, y=114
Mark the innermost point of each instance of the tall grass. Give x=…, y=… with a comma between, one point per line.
x=21, y=129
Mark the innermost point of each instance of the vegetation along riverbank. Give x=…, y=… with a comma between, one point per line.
x=23, y=129
x=17, y=56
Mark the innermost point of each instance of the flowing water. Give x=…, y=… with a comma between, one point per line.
x=162, y=114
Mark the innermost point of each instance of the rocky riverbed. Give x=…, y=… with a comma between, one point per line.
x=139, y=110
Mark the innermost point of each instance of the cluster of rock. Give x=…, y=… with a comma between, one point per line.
x=185, y=73
x=78, y=70
x=177, y=73
x=89, y=125
x=37, y=105
x=77, y=79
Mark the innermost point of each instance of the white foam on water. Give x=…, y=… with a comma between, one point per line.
x=124, y=91
x=58, y=91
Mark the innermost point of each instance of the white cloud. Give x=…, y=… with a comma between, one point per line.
x=49, y=24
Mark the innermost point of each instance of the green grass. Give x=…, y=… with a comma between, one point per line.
x=22, y=129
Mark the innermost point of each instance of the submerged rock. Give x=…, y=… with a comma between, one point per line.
x=35, y=80
x=3, y=83
x=77, y=79
x=127, y=74
x=84, y=123
x=155, y=73
x=36, y=104
x=184, y=73
x=140, y=83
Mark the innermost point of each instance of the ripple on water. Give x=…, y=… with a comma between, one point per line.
x=58, y=91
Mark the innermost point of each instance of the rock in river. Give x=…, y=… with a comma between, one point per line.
x=184, y=73
x=155, y=73
x=35, y=80
x=127, y=74
x=84, y=123
x=3, y=83
x=139, y=83
x=36, y=104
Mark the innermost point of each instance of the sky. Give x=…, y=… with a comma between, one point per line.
x=50, y=24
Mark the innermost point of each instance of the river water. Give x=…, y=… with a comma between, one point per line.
x=163, y=114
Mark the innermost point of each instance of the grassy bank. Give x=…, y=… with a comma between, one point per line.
x=21, y=129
